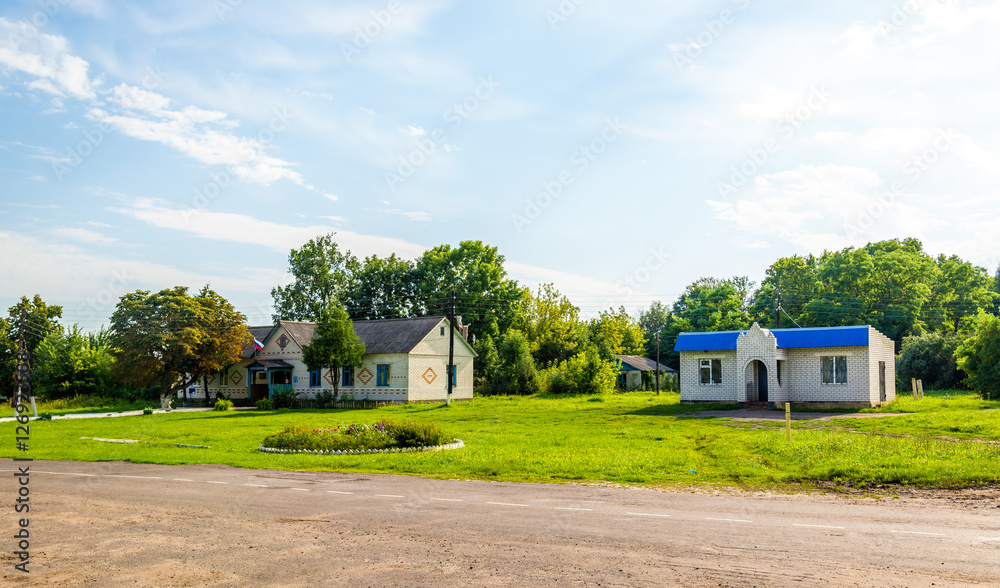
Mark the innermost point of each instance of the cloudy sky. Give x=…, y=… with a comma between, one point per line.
x=619, y=149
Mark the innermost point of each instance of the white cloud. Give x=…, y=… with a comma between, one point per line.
x=83, y=236
x=25, y=49
x=332, y=197
x=417, y=216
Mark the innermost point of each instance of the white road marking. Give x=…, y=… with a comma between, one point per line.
x=133, y=477
x=212, y=482
x=256, y=485
x=817, y=526
x=390, y=496
x=300, y=489
x=337, y=492
x=648, y=514
x=506, y=504
x=448, y=499
x=918, y=533
x=568, y=508
x=730, y=520
x=182, y=480
x=62, y=473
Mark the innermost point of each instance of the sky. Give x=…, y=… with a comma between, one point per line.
x=620, y=150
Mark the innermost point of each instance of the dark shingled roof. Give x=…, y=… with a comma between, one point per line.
x=260, y=334
x=643, y=364
x=382, y=336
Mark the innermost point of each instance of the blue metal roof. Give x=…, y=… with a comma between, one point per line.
x=787, y=338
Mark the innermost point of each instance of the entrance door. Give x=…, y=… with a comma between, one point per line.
x=756, y=378
x=881, y=381
x=258, y=386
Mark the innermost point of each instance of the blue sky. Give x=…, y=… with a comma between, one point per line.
x=620, y=150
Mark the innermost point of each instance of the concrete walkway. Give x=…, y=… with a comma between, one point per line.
x=101, y=415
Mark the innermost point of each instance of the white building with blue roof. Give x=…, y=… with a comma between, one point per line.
x=814, y=367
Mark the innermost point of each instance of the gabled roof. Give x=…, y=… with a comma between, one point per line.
x=642, y=364
x=260, y=334
x=786, y=338
x=380, y=336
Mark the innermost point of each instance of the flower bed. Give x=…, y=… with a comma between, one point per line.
x=382, y=437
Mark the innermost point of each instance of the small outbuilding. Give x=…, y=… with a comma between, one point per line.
x=632, y=368
x=818, y=367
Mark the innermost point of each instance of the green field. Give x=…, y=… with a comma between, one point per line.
x=634, y=438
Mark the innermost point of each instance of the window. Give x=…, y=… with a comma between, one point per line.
x=382, y=374
x=834, y=369
x=348, y=376
x=314, y=379
x=224, y=378
x=711, y=372
x=442, y=331
x=779, y=362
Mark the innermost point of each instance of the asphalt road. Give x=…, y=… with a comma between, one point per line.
x=108, y=524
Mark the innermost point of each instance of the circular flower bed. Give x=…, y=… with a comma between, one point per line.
x=381, y=437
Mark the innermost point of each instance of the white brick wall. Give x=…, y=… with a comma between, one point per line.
x=690, y=377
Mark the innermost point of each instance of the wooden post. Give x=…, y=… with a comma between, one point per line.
x=788, y=420
x=920, y=389
x=913, y=383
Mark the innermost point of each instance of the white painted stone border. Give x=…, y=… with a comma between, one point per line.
x=457, y=444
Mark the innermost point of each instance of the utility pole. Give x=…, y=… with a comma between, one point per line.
x=657, y=364
x=451, y=347
x=777, y=305
x=22, y=372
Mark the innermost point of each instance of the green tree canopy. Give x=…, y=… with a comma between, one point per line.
x=384, y=289
x=614, y=332
x=71, y=362
x=516, y=373
x=40, y=321
x=931, y=358
x=322, y=273
x=979, y=357
x=334, y=344
x=552, y=325
x=170, y=339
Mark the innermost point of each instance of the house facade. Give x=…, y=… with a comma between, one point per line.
x=835, y=366
x=631, y=368
x=405, y=360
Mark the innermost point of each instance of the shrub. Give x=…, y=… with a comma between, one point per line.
x=584, y=373
x=223, y=405
x=285, y=397
x=516, y=373
x=325, y=399
x=931, y=358
x=979, y=357
x=414, y=434
x=383, y=435
x=265, y=404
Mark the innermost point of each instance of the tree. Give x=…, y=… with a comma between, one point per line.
x=488, y=361
x=334, y=344
x=979, y=357
x=552, y=325
x=615, y=333
x=516, y=373
x=70, y=362
x=584, y=373
x=384, y=289
x=322, y=273
x=40, y=321
x=170, y=339
x=960, y=291
x=931, y=358
x=486, y=298
x=797, y=279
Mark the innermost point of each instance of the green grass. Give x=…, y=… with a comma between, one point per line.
x=634, y=438
x=81, y=404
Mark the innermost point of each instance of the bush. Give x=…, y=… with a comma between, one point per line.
x=516, y=373
x=265, y=404
x=383, y=435
x=285, y=397
x=223, y=405
x=979, y=357
x=584, y=373
x=325, y=399
x=931, y=358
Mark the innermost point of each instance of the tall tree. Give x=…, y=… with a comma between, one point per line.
x=335, y=344
x=654, y=321
x=70, y=362
x=797, y=279
x=552, y=325
x=40, y=321
x=614, y=332
x=384, y=289
x=171, y=339
x=323, y=274
x=960, y=291
x=979, y=357
x=516, y=373
x=485, y=297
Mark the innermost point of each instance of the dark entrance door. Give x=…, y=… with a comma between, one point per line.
x=761, y=381
x=258, y=386
x=881, y=381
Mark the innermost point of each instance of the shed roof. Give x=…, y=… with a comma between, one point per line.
x=642, y=364
x=856, y=336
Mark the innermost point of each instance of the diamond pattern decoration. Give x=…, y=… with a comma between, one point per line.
x=365, y=376
x=236, y=378
x=329, y=377
x=429, y=376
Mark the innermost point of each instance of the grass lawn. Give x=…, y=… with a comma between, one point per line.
x=634, y=438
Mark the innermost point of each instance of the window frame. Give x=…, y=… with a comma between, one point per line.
x=315, y=379
x=380, y=370
x=714, y=371
x=347, y=376
x=838, y=371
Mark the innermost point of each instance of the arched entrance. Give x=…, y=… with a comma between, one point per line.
x=756, y=378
